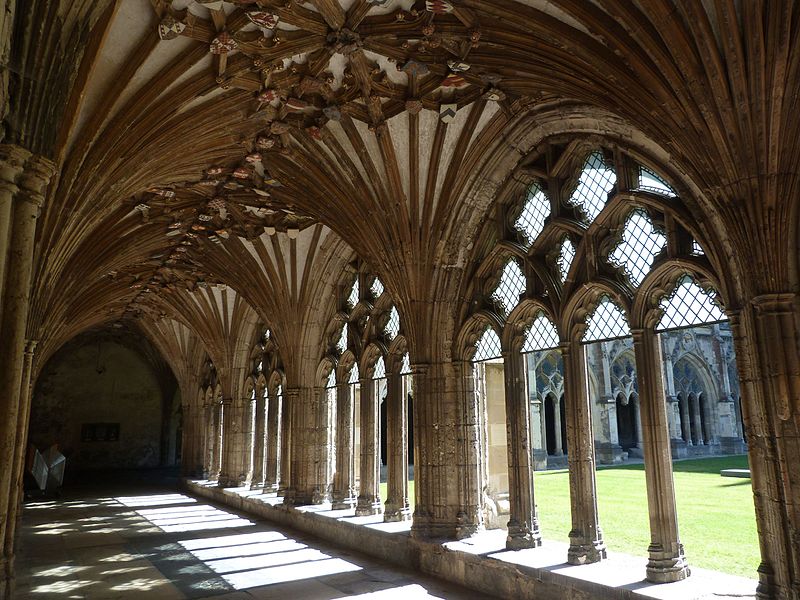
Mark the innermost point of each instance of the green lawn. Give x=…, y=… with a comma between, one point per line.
x=716, y=517
x=715, y=514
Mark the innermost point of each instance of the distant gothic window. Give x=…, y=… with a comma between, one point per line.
x=352, y=299
x=534, y=213
x=405, y=369
x=512, y=284
x=541, y=335
x=607, y=322
x=393, y=325
x=565, y=257
x=488, y=346
x=380, y=369
x=595, y=183
x=650, y=182
x=639, y=246
x=341, y=345
x=688, y=305
x=377, y=288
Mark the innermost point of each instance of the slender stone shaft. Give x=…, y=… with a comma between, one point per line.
x=344, y=496
x=259, y=435
x=369, y=499
x=523, y=524
x=285, y=475
x=273, y=443
x=666, y=557
x=397, y=507
x=586, y=538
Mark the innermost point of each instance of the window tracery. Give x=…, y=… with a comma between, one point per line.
x=640, y=244
x=649, y=181
x=377, y=288
x=535, y=211
x=352, y=299
x=688, y=305
x=595, y=182
x=393, y=324
x=510, y=287
x=607, y=322
x=565, y=257
x=488, y=346
x=541, y=335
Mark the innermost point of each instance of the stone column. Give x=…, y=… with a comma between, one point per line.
x=285, y=459
x=344, y=493
x=586, y=537
x=17, y=258
x=310, y=450
x=397, y=507
x=685, y=424
x=12, y=162
x=232, y=472
x=446, y=451
x=274, y=437
x=559, y=451
x=637, y=421
x=215, y=445
x=766, y=337
x=697, y=438
x=369, y=495
x=523, y=524
x=259, y=436
x=666, y=558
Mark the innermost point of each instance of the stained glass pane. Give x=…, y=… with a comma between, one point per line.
x=697, y=249
x=380, y=369
x=650, y=182
x=595, y=183
x=565, y=257
x=541, y=335
x=512, y=284
x=377, y=288
x=689, y=305
x=536, y=210
x=640, y=244
x=341, y=345
x=352, y=299
x=353, y=375
x=606, y=322
x=488, y=346
x=405, y=369
x=393, y=325
x=331, y=379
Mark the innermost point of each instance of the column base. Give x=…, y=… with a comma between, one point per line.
x=344, y=503
x=368, y=505
x=270, y=488
x=520, y=538
x=584, y=554
x=667, y=570
x=321, y=495
x=256, y=485
x=229, y=482
x=394, y=513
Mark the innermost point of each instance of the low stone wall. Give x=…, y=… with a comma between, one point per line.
x=480, y=563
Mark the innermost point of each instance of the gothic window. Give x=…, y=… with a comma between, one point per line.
x=650, y=182
x=541, y=335
x=380, y=369
x=393, y=325
x=405, y=369
x=353, y=375
x=623, y=375
x=688, y=305
x=488, y=346
x=550, y=375
x=352, y=299
x=595, y=183
x=377, y=288
x=534, y=213
x=639, y=246
x=607, y=322
x=341, y=345
x=512, y=284
x=331, y=379
x=565, y=258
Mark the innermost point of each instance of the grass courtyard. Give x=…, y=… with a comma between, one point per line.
x=715, y=514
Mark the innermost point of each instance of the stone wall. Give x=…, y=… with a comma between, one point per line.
x=98, y=381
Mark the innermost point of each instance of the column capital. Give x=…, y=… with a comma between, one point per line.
x=30, y=347
x=779, y=303
x=12, y=163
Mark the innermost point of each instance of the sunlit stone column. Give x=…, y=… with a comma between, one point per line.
x=369, y=499
x=559, y=451
x=523, y=524
x=666, y=557
x=397, y=507
x=310, y=482
x=586, y=538
x=446, y=452
x=285, y=458
x=344, y=496
x=234, y=454
x=17, y=258
x=215, y=445
x=259, y=435
x=273, y=443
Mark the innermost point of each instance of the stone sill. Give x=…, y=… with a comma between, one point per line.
x=480, y=562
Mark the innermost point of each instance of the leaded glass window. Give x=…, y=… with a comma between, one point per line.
x=380, y=369
x=565, y=257
x=649, y=181
x=541, y=335
x=377, y=288
x=405, y=368
x=594, y=184
x=488, y=346
x=352, y=299
x=331, y=379
x=534, y=213
x=393, y=325
x=607, y=322
x=697, y=249
x=688, y=305
x=512, y=284
x=353, y=375
x=639, y=246
x=341, y=345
